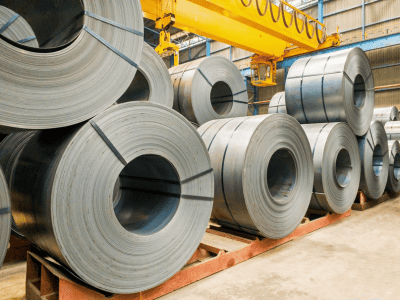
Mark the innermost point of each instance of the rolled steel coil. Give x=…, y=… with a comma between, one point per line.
x=208, y=89
x=337, y=166
x=16, y=28
x=334, y=87
x=76, y=192
x=89, y=68
x=152, y=81
x=5, y=217
x=374, y=156
x=10, y=149
x=386, y=114
x=263, y=173
x=277, y=104
x=393, y=183
x=393, y=130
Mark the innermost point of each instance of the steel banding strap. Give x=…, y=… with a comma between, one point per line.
x=202, y=74
x=301, y=91
x=348, y=78
x=196, y=176
x=28, y=39
x=179, y=83
x=113, y=23
x=322, y=90
x=244, y=91
x=108, y=142
x=103, y=41
x=4, y=211
x=5, y=26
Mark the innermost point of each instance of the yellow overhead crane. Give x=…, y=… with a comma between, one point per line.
x=259, y=26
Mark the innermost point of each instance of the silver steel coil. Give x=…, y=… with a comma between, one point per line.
x=5, y=217
x=393, y=130
x=333, y=87
x=277, y=104
x=15, y=28
x=82, y=68
x=152, y=81
x=393, y=183
x=337, y=166
x=263, y=173
x=374, y=156
x=386, y=114
x=208, y=89
x=10, y=149
x=76, y=192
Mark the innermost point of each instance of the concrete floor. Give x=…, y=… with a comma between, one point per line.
x=357, y=258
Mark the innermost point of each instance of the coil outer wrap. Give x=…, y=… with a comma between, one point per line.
x=58, y=87
x=263, y=173
x=5, y=217
x=209, y=88
x=386, y=114
x=393, y=130
x=374, y=156
x=82, y=212
x=277, y=104
x=393, y=183
x=334, y=87
x=152, y=82
x=337, y=166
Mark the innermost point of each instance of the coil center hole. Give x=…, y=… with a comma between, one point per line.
x=221, y=98
x=377, y=160
x=147, y=194
x=281, y=174
x=396, y=166
x=139, y=90
x=343, y=168
x=359, y=93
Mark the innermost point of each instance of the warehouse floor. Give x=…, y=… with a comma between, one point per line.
x=355, y=259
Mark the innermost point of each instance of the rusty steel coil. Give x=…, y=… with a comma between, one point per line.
x=263, y=173
x=278, y=104
x=337, y=166
x=374, y=156
x=209, y=88
x=88, y=56
x=5, y=217
x=75, y=195
x=386, y=114
x=333, y=87
x=393, y=183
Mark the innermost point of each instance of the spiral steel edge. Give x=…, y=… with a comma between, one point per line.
x=278, y=104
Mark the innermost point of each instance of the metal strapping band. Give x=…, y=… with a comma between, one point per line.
x=369, y=143
x=4, y=211
x=244, y=91
x=113, y=23
x=108, y=142
x=202, y=74
x=196, y=176
x=5, y=26
x=348, y=78
x=103, y=41
x=197, y=198
x=28, y=39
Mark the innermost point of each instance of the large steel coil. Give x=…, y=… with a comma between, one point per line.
x=123, y=200
x=263, y=173
x=277, y=104
x=5, y=217
x=208, y=89
x=374, y=156
x=334, y=87
x=393, y=183
x=15, y=28
x=386, y=114
x=10, y=149
x=152, y=81
x=91, y=63
x=393, y=130
x=337, y=166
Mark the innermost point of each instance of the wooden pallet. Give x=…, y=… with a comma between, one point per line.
x=362, y=202
x=220, y=249
x=17, y=250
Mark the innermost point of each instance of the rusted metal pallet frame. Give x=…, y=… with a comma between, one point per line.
x=363, y=203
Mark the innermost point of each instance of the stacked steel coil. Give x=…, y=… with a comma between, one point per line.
x=393, y=183
x=5, y=217
x=261, y=187
x=386, y=114
x=278, y=104
x=393, y=130
x=208, y=89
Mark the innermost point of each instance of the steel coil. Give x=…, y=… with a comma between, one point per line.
x=393, y=183
x=10, y=149
x=393, y=130
x=263, y=173
x=152, y=81
x=5, y=217
x=334, y=87
x=277, y=104
x=386, y=114
x=337, y=166
x=374, y=156
x=91, y=65
x=208, y=89
x=75, y=195
x=15, y=28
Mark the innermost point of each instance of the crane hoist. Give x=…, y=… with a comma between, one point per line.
x=259, y=26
